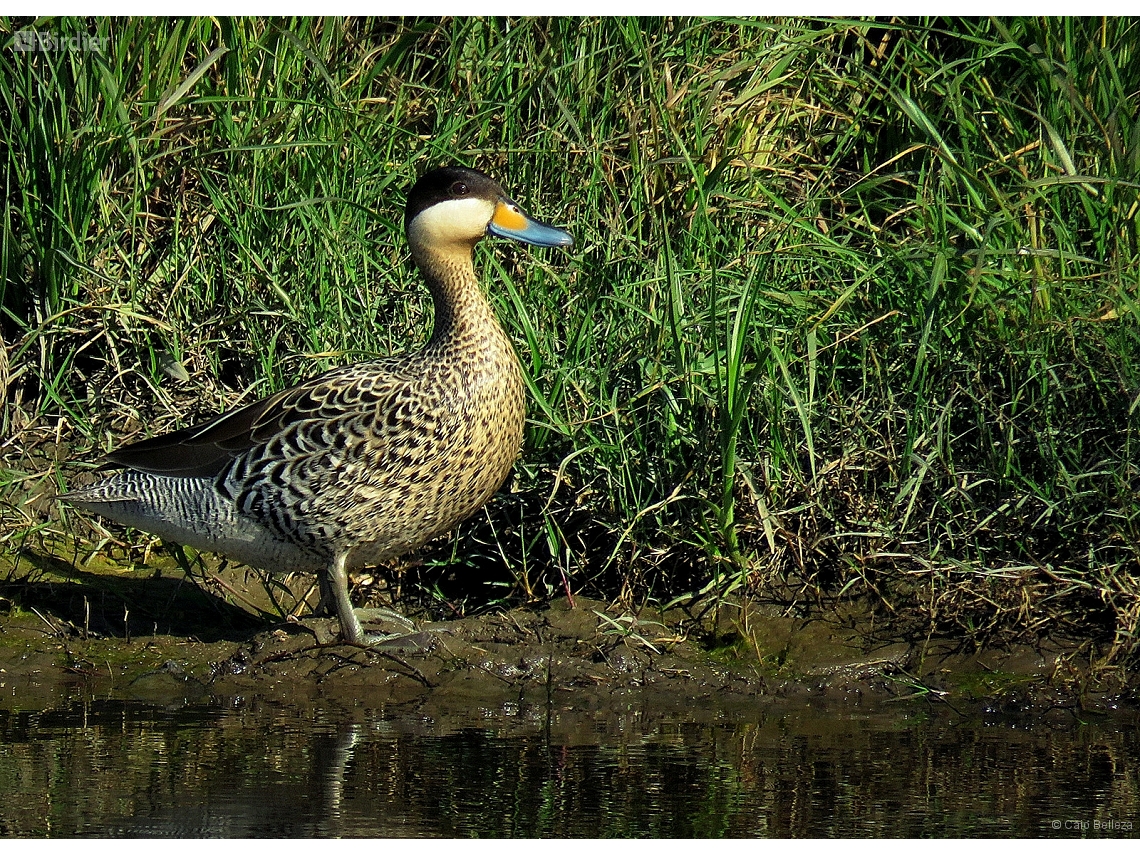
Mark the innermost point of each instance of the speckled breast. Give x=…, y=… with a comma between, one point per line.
x=456, y=438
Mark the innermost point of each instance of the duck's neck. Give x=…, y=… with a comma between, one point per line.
x=462, y=313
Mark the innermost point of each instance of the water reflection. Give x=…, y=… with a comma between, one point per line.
x=256, y=769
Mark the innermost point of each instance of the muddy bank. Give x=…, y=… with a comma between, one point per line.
x=155, y=636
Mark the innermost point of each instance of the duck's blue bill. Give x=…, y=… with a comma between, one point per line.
x=510, y=222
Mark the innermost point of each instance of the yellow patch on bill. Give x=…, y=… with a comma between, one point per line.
x=508, y=218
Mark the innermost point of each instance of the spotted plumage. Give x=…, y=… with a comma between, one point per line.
x=365, y=462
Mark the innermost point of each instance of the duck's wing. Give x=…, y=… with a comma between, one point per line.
x=206, y=450
x=202, y=450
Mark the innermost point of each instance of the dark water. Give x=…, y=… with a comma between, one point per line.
x=256, y=769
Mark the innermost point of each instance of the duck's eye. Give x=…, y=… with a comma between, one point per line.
x=459, y=189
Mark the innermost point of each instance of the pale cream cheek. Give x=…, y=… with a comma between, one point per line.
x=455, y=220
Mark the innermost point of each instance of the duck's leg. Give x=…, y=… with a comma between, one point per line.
x=350, y=628
x=334, y=587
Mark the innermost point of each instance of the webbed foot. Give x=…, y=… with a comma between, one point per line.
x=382, y=615
x=334, y=591
x=405, y=638
x=412, y=642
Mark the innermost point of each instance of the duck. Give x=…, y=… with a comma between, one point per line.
x=365, y=462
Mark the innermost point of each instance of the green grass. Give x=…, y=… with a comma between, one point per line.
x=852, y=310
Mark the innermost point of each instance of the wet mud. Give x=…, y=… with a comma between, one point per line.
x=158, y=637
